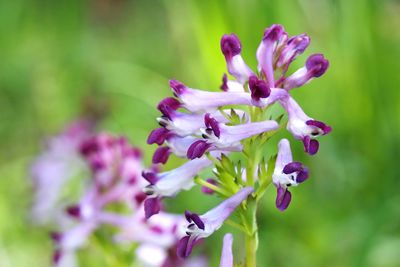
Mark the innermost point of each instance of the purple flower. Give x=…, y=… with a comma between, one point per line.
x=221, y=137
x=295, y=46
x=202, y=226
x=316, y=66
x=303, y=127
x=168, y=184
x=54, y=167
x=226, y=255
x=203, y=101
x=273, y=36
x=158, y=136
x=184, y=124
x=231, y=48
x=286, y=173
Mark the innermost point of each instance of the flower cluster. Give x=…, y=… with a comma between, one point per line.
x=115, y=169
x=205, y=126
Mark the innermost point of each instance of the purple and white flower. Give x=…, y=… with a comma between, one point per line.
x=273, y=37
x=231, y=48
x=202, y=226
x=303, y=127
x=295, y=46
x=287, y=173
x=196, y=100
x=168, y=184
x=316, y=66
x=221, y=137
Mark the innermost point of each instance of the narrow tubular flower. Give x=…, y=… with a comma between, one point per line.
x=221, y=137
x=202, y=226
x=231, y=48
x=295, y=46
x=316, y=66
x=168, y=184
x=286, y=173
x=184, y=124
x=226, y=255
x=203, y=101
x=265, y=51
x=303, y=127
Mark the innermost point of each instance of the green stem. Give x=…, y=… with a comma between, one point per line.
x=251, y=239
x=251, y=249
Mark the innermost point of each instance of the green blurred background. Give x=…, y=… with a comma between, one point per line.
x=57, y=54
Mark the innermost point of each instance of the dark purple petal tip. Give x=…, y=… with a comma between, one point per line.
x=319, y=124
x=311, y=146
x=283, y=198
x=89, y=146
x=168, y=105
x=299, y=42
x=230, y=45
x=292, y=167
x=56, y=256
x=197, y=149
x=161, y=155
x=150, y=177
x=185, y=246
x=259, y=88
x=158, y=136
x=74, y=211
x=224, y=85
x=56, y=236
x=317, y=65
x=302, y=175
x=212, y=124
x=177, y=87
x=273, y=33
x=197, y=220
x=151, y=206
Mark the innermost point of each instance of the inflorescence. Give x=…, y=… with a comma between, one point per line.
x=204, y=127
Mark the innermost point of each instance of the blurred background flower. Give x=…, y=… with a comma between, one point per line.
x=114, y=57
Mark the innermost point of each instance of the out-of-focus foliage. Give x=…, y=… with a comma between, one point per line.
x=58, y=57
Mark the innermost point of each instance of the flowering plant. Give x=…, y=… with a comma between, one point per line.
x=112, y=197
x=207, y=126
x=226, y=131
